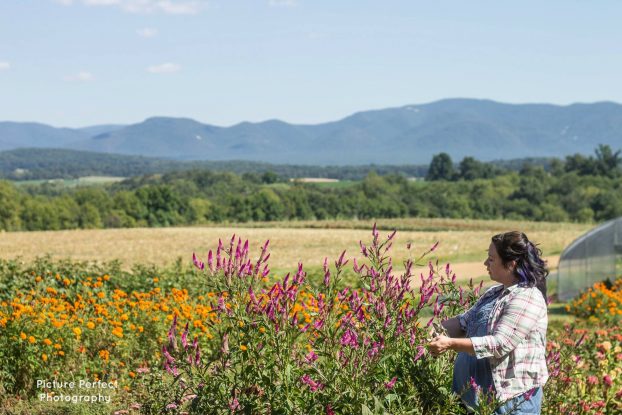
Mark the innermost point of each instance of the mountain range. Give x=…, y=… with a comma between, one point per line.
x=411, y=134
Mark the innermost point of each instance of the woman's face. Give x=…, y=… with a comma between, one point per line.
x=497, y=271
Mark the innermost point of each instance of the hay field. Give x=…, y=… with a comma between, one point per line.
x=162, y=246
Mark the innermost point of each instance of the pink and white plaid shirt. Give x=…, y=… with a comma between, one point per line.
x=516, y=340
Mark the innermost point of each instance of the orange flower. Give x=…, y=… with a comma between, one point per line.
x=90, y=325
x=243, y=348
x=44, y=357
x=23, y=336
x=32, y=340
x=47, y=341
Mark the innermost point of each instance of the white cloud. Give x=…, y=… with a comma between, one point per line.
x=4, y=66
x=145, y=6
x=147, y=32
x=82, y=76
x=164, y=68
x=101, y=2
x=283, y=3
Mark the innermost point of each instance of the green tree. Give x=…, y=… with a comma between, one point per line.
x=9, y=207
x=471, y=169
x=607, y=162
x=441, y=168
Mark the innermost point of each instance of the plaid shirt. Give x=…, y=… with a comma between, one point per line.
x=516, y=340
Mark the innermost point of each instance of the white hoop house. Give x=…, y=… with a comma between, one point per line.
x=593, y=257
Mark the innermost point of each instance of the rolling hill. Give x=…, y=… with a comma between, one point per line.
x=412, y=134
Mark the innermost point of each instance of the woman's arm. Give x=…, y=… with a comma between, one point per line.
x=443, y=343
x=453, y=328
x=519, y=316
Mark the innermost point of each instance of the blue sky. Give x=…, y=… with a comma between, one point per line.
x=75, y=63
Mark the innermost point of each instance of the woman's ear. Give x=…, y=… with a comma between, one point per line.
x=511, y=265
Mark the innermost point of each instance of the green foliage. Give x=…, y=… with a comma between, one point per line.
x=570, y=191
x=441, y=168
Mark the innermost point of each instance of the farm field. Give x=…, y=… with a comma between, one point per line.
x=72, y=321
x=462, y=243
x=81, y=181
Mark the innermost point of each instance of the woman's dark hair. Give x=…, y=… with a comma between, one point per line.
x=531, y=269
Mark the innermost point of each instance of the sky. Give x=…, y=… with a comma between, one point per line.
x=76, y=63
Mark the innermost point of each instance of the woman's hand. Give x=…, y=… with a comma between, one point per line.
x=439, y=345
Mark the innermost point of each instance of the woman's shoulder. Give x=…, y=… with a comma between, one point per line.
x=495, y=289
x=533, y=295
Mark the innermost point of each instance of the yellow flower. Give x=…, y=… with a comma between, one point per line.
x=44, y=357
x=61, y=353
x=32, y=340
x=117, y=331
x=243, y=348
x=23, y=336
x=47, y=341
x=90, y=325
x=77, y=331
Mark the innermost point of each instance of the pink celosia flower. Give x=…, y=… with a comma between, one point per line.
x=391, y=383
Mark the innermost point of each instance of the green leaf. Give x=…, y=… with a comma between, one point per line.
x=365, y=410
x=378, y=407
x=391, y=397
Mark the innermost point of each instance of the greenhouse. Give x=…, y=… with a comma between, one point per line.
x=593, y=257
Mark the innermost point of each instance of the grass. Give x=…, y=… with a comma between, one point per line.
x=462, y=242
x=341, y=184
x=80, y=181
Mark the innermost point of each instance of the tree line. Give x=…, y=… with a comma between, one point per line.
x=44, y=164
x=579, y=189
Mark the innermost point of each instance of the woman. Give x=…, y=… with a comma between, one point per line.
x=501, y=340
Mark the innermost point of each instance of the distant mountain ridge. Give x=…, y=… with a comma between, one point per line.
x=411, y=134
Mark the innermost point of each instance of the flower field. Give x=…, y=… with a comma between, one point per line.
x=231, y=337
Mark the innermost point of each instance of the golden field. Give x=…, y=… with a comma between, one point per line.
x=462, y=242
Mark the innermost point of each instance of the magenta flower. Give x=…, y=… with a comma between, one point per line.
x=310, y=357
x=313, y=385
x=363, y=249
x=607, y=381
x=184, y=337
x=420, y=352
x=473, y=384
x=349, y=338
x=391, y=383
x=234, y=404
x=197, y=263
x=527, y=395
